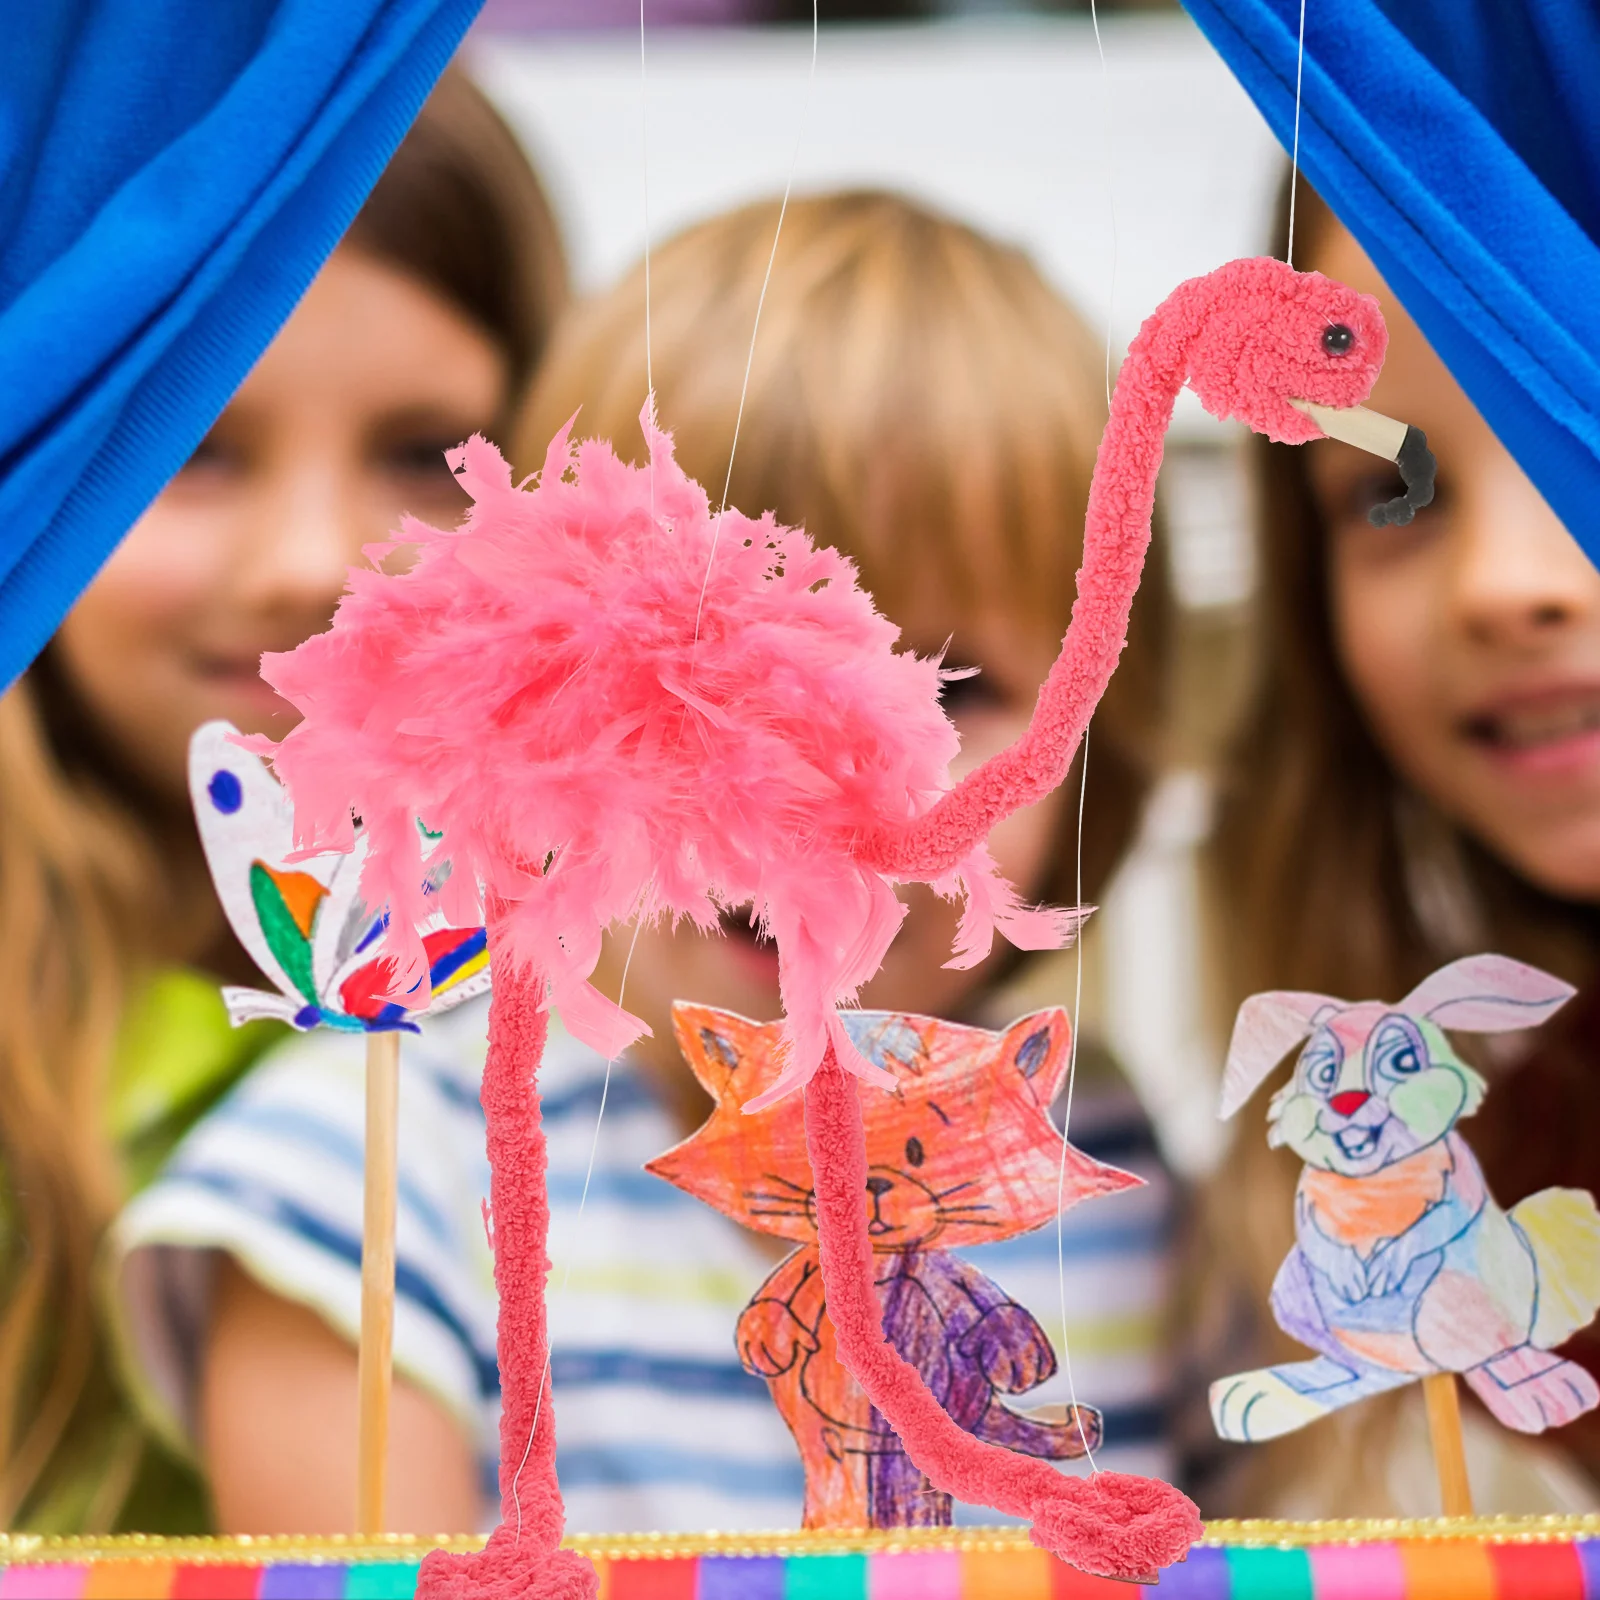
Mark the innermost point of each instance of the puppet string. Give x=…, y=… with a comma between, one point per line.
x=1111, y=193
x=1294, y=157
x=583, y=1200
x=644, y=163
x=761, y=300
x=1083, y=790
x=1066, y=1112
x=644, y=189
x=605, y=1084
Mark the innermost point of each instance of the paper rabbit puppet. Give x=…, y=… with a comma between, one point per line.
x=1404, y=1265
x=962, y=1152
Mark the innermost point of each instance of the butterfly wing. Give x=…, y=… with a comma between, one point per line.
x=355, y=977
x=347, y=934
x=458, y=958
x=251, y=1005
x=458, y=966
x=458, y=970
x=246, y=829
x=354, y=974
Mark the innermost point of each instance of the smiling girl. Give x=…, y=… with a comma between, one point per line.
x=422, y=327
x=1419, y=779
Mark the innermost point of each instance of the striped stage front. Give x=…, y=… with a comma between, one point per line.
x=1486, y=1559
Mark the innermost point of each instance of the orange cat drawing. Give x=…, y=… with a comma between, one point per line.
x=962, y=1152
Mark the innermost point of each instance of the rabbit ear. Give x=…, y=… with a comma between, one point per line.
x=1487, y=994
x=1267, y=1027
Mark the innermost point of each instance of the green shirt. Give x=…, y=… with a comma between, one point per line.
x=176, y=1055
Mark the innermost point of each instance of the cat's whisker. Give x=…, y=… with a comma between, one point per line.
x=955, y=1189
x=969, y=1222
x=788, y=1183
x=802, y=1198
x=774, y=1211
x=969, y=1205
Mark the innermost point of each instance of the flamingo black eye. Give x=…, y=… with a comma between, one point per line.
x=914, y=1151
x=1338, y=339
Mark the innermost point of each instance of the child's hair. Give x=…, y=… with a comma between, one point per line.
x=87, y=895
x=1330, y=874
x=919, y=398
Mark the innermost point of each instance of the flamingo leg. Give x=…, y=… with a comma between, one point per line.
x=1113, y=1523
x=523, y=1559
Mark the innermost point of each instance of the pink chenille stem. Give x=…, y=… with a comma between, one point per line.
x=1112, y=1523
x=522, y=1559
x=1116, y=536
x=521, y=1221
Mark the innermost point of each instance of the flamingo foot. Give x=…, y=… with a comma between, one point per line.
x=504, y=1570
x=1117, y=1525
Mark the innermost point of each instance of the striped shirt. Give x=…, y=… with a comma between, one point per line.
x=658, y=1425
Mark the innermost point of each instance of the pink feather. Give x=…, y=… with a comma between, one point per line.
x=595, y=712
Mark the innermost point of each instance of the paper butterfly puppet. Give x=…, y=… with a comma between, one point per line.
x=1404, y=1266
x=303, y=921
x=961, y=1152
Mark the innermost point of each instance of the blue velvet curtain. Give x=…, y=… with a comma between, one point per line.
x=173, y=172
x=172, y=175
x=1459, y=140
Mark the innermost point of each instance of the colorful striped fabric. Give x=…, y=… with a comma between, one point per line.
x=1525, y=1564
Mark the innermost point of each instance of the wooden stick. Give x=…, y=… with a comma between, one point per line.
x=1449, y=1455
x=376, y=1362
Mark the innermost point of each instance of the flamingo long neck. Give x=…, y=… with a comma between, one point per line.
x=1116, y=537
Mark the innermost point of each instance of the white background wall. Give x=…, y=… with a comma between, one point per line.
x=1005, y=122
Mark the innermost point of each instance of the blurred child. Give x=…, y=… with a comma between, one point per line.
x=921, y=400
x=423, y=325
x=1419, y=779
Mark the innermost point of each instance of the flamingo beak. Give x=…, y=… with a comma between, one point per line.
x=1382, y=436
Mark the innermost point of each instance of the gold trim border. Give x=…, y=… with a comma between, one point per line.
x=17, y=1548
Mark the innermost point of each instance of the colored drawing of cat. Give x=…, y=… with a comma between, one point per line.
x=961, y=1152
x=1404, y=1265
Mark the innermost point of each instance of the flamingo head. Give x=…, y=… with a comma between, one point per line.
x=1294, y=355
x=1271, y=336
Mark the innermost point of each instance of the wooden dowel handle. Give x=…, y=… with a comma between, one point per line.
x=376, y=1361
x=1449, y=1453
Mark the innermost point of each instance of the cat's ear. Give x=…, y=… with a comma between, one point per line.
x=718, y=1044
x=1487, y=994
x=1267, y=1028
x=1038, y=1049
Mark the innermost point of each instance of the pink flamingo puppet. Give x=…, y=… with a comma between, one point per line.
x=613, y=702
